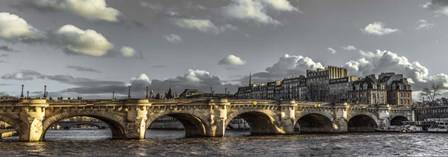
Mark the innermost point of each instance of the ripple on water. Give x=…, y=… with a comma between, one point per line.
x=171, y=143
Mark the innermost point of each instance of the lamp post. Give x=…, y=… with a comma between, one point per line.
x=21, y=95
x=45, y=91
x=147, y=90
x=113, y=95
x=129, y=92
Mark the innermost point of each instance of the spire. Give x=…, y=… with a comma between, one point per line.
x=250, y=79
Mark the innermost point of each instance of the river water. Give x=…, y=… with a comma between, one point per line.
x=171, y=143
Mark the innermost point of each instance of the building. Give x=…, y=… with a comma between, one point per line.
x=339, y=88
x=318, y=81
x=333, y=85
x=399, y=91
x=368, y=90
x=274, y=89
x=295, y=88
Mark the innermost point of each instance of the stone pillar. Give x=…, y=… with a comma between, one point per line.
x=218, y=117
x=340, y=117
x=288, y=116
x=137, y=114
x=383, y=115
x=32, y=115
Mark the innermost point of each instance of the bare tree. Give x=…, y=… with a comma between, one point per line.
x=431, y=93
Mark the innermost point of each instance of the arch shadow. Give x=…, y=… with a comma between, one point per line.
x=362, y=123
x=260, y=123
x=314, y=123
x=194, y=126
x=398, y=120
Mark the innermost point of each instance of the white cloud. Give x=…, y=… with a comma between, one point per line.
x=386, y=61
x=128, y=52
x=293, y=64
x=232, y=60
x=86, y=42
x=173, y=38
x=12, y=27
x=423, y=24
x=248, y=10
x=349, y=48
x=89, y=9
x=378, y=28
x=440, y=7
x=203, y=25
x=282, y=5
x=256, y=10
x=331, y=50
x=141, y=81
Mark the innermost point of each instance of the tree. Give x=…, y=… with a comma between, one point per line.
x=169, y=95
x=158, y=96
x=431, y=93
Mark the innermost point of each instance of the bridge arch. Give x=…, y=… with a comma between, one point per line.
x=398, y=120
x=315, y=122
x=15, y=124
x=115, y=122
x=260, y=123
x=362, y=122
x=195, y=126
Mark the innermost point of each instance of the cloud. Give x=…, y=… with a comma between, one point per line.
x=173, y=38
x=193, y=78
x=83, y=69
x=331, y=50
x=281, y=5
x=387, y=61
x=74, y=40
x=349, y=48
x=286, y=66
x=7, y=49
x=202, y=25
x=85, y=42
x=423, y=24
x=256, y=10
x=439, y=7
x=128, y=52
x=248, y=10
x=89, y=9
x=378, y=28
x=22, y=75
x=12, y=27
x=232, y=60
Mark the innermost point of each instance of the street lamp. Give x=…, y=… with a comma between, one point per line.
x=21, y=95
x=129, y=92
x=45, y=91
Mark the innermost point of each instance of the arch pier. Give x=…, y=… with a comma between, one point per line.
x=130, y=119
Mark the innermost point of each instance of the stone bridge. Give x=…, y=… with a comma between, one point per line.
x=129, y=119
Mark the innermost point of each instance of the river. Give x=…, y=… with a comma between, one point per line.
x=171, y=143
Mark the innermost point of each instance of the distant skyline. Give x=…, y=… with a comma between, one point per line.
x=93, y=47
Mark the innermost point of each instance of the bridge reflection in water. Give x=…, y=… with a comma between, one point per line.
x=130, y=119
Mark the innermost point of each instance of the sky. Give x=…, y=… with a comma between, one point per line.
x=90, y=48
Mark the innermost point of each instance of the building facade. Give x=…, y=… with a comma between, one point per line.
x=333, y=85
x=339, y=88
x=318, y=82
